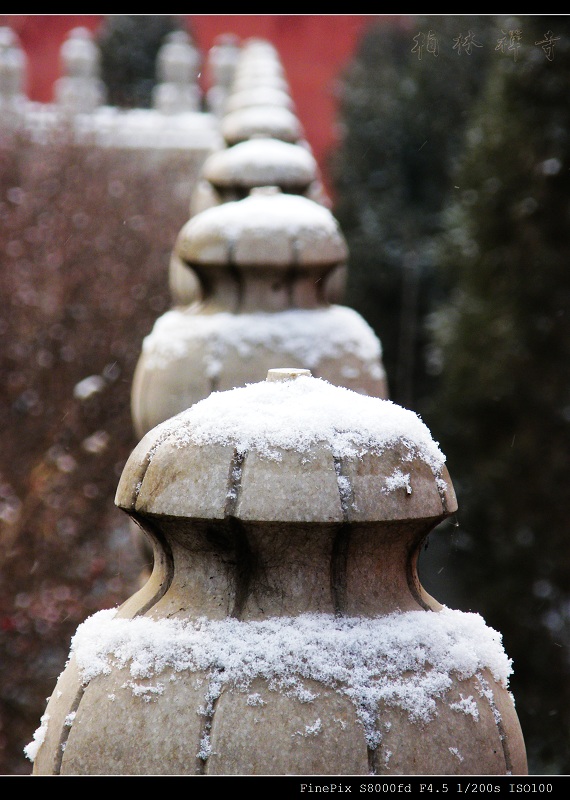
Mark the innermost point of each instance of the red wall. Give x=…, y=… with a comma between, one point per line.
x=313, y=48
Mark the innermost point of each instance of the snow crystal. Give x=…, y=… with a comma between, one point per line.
x=297, y=414
x=455, y=752
x=310, y=730
x=403, y=659
x=398, y=480
x=255, y=700
x=467, y=705
x=205, y=748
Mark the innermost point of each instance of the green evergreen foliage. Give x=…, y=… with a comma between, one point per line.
x=129, y=46
x=403, y=104
x=502, y=407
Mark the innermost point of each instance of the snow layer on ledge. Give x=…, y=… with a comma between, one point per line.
x=265, y=210
x=252, y=160
x=407, y=660
x=309, y=335
x=134, y=129
x=298, y=414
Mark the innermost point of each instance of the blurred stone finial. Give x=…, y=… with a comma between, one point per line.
x=262, y=265
x=178, y=68
x=221, y=64
x=231, y=174
x=80, y=89
x=13, y=65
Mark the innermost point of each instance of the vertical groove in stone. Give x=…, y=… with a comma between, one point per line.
x=245, y=566
x=290, y=284
x=243, y=572
x=339, y=553
x=234, y=483
x=65, y=731
x=487, y=693
x=345, y=489
x=292, y=272
x=372, y=770
x=202, y=761
x=442, y=496
x=339, y=558
x=237, y=277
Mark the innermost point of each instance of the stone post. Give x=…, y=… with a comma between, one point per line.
x=80, y=90
x=13, y=65
x=220, y=69
x=261, y=264
x=178, y=67
x=231, y=174
x=284, y=629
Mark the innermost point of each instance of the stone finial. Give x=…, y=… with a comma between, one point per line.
x=221, y=64
x=231, y=174
x=80, y=57
x=284, y=629
x=262, y=264
x=13, y=65
x=178, y=67
x=178, y=59
x=80, y=88
x=266, y=230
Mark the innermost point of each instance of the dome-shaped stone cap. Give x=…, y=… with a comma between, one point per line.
x=274, y=121
x=178, y=59
x=292, y=448
x=251, y=80
x=261, y=162
x=257, y=46
x=79, y=54
x=259, y=96
x=13, y=62
x=259, y=69
x=268, y=228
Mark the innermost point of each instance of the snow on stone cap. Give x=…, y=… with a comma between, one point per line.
x=308, y=335
x=297, y=413
x=266, y=227
x=291, y=449
x=259, y=96
x=272, y=120
x=409, y=660
x=261, y=160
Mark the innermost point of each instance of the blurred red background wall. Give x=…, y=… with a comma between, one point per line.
x=314, y=50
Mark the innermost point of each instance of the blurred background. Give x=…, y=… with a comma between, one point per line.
x=444, y=143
